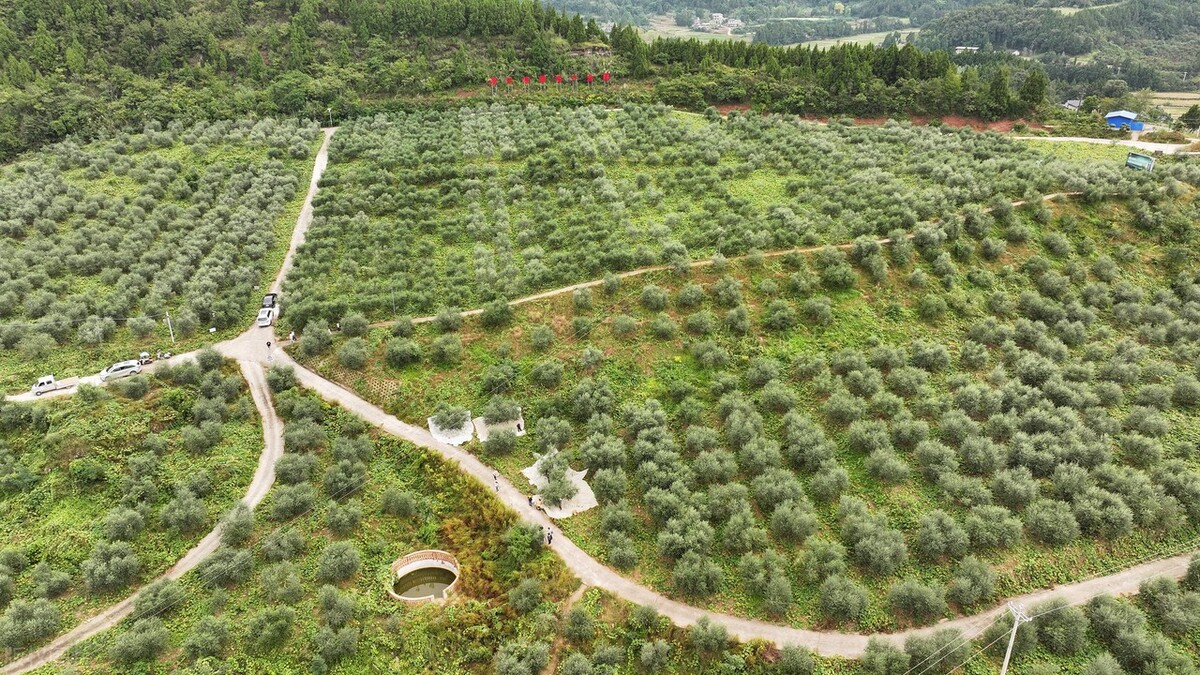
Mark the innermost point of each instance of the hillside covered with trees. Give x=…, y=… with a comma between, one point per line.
x=85, y=67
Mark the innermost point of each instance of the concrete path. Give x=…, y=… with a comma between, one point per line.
x=264, y=477
x=1165, y=148
x=306, y=211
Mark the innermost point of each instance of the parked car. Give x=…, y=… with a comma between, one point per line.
x=271, y=300
x=47, y=383
x=266, y=317
x=122, y=369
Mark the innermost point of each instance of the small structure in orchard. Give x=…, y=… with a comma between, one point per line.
x=451, y=426
x=483, y=429
x=582, y=499
x=1139, y=162
x=424, y=576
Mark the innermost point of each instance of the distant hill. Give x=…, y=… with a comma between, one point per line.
x=1147, y=43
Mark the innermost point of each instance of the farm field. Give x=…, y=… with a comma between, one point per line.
x=102, y=241
x=959, y=388
x=1175, y=102
x=664, y=26
x=105, y=490
x=430, y=210
x=862, y=38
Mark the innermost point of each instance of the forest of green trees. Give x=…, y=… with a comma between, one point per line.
x=87, y=66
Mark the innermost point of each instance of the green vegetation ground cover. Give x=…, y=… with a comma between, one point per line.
x=103, y=240
x=965, y=426
x=406, y=500
x=103, y=469
x=432, y=209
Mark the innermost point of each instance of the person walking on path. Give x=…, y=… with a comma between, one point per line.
x=496, y=478
x=292, y=337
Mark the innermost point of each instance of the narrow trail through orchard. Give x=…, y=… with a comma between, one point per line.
x=253, y=356
x=640, y=271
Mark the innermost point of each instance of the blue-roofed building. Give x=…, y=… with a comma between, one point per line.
x=1118, y=119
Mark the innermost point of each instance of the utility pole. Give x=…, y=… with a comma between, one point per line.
x=1019, y=617
x=170, y=328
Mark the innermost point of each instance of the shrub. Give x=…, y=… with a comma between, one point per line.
x=945, y=647
x=280, y=545
x=26, y=622
x=446, y=349
x=160, y=597
x=281, y=378
x=110, y=566
x=500, y=442
x=316, y=338
x=917, y=601
x=398, y=503
x=226, y=566
x=271, y=627
x=822, y=559
x=293, y=468
x=123, y=523
x=448, y=320
x=355, y=324
x=841, y=599
x=884, y=658
x=343, y=519
x=208, y=638
x=654, y=298
x=525, y=596
x=143, y=641
x=654, y=656
x=695, y=575
x=972, y=583
x=496, y=313
x=793, y=521
x=401, y=352
x=707, y=637
x=624, y=325
x=47, y=582
x=940, y=536
x=339, y=562
x=818, y=310
x=184, y=513
x=993, y=527
x=663, y=327
x=450, y=417
x=1051, y=522
x=1014, y=488
x=1061, y=629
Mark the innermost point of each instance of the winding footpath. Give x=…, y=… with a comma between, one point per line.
x=707, y=262
x=251, y=352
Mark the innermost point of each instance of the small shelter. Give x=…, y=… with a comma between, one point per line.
x=1139, y=162
x=1073, y=104
x=1120, y=119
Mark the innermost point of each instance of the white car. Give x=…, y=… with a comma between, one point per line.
x=266, y=317
x=122, y=369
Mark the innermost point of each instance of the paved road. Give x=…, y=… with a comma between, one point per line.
x=1165, y=148
x=264, y=477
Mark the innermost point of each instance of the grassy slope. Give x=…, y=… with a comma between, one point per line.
x=61, y=518
x=642, y=367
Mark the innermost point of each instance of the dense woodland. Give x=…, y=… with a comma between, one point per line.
x=79, y=66
x=1149, y=43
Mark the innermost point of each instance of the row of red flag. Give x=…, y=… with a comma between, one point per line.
x=543, y=79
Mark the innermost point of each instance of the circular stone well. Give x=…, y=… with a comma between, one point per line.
x=424, y=576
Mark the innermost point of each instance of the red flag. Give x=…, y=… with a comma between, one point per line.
x=525, y=80
x=574, y=77
x=508, y=80
x=493, y=81
x=558, y=79
x=590, y=77
x=604, y=76
x=542, y=79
